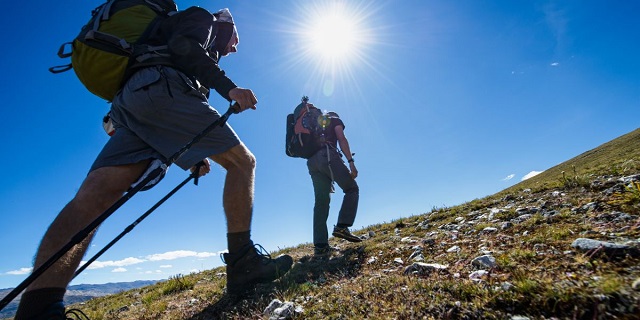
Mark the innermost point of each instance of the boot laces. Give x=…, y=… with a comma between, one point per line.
x=263, y=254
x=75, y=314
x=260, y=251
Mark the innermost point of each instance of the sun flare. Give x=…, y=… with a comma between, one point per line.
x=334, y=35
x=331, y=42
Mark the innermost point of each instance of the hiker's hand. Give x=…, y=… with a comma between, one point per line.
x=204, y=169
x=244, y=97
x=354, y=171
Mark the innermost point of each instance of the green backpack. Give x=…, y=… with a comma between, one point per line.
x=112, y=41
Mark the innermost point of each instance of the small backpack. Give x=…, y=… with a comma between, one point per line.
x=112, y=41
x=305, y=131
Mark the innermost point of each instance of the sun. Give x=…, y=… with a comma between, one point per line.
x=331, y=43
x=333, y=35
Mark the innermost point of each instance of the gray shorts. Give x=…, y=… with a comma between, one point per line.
x=158, y=112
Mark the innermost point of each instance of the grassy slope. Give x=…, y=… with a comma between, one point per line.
x=614, y=157
x=538, y=273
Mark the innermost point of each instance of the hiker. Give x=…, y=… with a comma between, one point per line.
x=160, y=108
x=326, y=166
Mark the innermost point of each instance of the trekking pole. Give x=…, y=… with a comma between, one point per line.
x=82, y=234
x=142, y=217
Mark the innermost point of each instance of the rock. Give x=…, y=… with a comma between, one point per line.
x=423, y=269
x=429, y=242
x=485, y=261
x=557, y=194
x=521, y=218
x=506, y=286
x=417, y=256
x=608, y=248
x=408, y=239
x=273, y=305
x=636, y=285
x=506, y=225
x=478, y=275
x=454, y=249
x=277, y=310
x=489, y=230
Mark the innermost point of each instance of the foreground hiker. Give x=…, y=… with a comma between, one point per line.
x=161, y=107
x=321, y=140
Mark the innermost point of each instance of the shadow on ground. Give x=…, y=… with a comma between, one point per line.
x=309, y=269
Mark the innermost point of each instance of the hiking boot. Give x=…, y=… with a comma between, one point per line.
x=56, y=311
x=344, y=233
x=324, y=250
x=251, y=266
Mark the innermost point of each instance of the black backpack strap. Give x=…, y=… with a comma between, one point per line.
x=62, y=54
x=60, y=69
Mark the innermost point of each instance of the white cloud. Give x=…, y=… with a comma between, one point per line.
x=509, y=177
x=555, y=64
x=20, y=271
x=152, y=272
x=119, y=270
x=172, y=255
x=530, y=174
x=120, y=263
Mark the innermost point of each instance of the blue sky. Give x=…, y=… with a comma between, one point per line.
x=444, y=102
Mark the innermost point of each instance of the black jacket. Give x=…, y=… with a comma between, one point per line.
x=189, y=34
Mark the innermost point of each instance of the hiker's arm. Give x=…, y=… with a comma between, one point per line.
x=344, y=146
x=188, y=42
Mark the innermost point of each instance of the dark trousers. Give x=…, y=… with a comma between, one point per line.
x=324, y=165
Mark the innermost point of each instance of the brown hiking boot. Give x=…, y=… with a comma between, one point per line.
x=344, y=233
x=251, y=266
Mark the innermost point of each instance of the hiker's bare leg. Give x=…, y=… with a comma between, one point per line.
x=237, y=198
x=101, y=188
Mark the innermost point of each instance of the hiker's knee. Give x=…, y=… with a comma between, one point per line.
x=352, y=189
x=238, y=157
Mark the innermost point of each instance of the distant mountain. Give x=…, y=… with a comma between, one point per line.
x=80, y=293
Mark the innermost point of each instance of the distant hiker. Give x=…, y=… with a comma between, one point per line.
x=324, y=142
x=161, y=107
